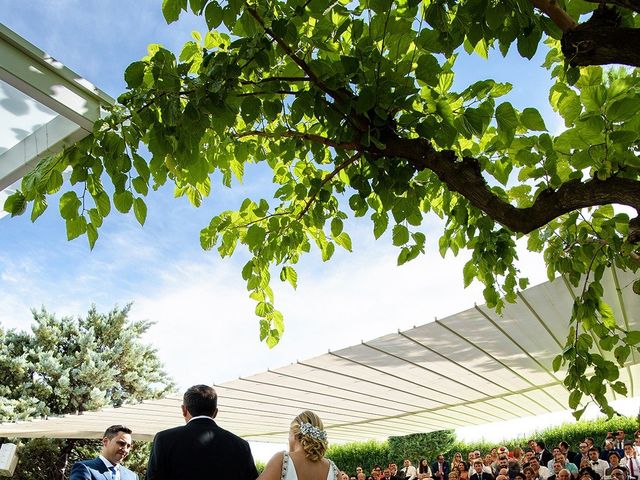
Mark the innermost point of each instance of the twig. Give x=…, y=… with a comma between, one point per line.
x=302, y=136
x=555, y=13
x=327, y=179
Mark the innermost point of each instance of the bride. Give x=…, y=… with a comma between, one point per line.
x=305, y=458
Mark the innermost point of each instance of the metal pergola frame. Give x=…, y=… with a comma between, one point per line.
x=77, y=103
x=472, y=368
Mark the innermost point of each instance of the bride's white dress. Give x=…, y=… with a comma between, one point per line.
x=289, y=469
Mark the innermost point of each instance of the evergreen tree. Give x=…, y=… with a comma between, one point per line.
x=69, y=365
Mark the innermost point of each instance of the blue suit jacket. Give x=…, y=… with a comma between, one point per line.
x=96, y=470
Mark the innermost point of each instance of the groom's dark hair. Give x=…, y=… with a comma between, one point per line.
x=200, y=400
x=113, y=430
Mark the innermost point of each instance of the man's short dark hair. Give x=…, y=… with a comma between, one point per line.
x=541, y=444
x=200, y=400
x=113, y=430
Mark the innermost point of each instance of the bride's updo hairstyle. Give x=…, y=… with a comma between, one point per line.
x=308, y=429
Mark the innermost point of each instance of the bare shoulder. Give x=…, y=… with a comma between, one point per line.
x=273, y=469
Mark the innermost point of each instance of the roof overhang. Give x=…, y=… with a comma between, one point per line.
x=472, y=368
x=54, y=107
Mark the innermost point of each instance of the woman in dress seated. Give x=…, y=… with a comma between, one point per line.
x=463, y=473
x=424, y=470
x=305, y=458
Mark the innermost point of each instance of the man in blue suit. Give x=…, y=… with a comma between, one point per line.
x=116, y=444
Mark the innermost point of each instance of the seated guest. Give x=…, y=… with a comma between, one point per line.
x=618, y=474
x=424, y=471
x=557, y=466
x=440, y=468
x=614, y=462
x=541, y=473
x=529, y=474
x=480, y=474
x=596, y=463
x=463, y=473
x=588, y=473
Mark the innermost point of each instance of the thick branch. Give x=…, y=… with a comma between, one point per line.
x=300, y=135
x=465, y=177
x=628, y=4
x=593, y=44
x=557, y=15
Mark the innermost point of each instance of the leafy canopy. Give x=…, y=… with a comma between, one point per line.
x=350, y=106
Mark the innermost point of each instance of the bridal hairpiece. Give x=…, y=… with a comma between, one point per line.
x=313, y=432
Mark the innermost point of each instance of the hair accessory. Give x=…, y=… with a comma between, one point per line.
x=313, y=432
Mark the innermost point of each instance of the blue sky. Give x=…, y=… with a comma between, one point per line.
x=204, y=316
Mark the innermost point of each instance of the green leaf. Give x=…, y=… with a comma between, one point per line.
x=557, y=363
x=134, y=74
x=531, y=118
x=427, y=69
x=213, y=14
x=507, y=122
x=336, y=227
x=123, y=201
x=469, y=272
x=290, y=275
x=606, y=313
x=251, y=108
x=15, y=204
x=633, y=337
x=400, y=235
x=255, y=236
x=380, y=223
x=39, y=206
x=623, y=109
x=197, y=5
x=344, y=241
x=76, y=226
x=92, y=235
x=103, y=204
x=69, y=205
x=171, y=10
x=140, y=210
x=574, y=399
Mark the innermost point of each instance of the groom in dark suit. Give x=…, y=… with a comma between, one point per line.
x=116, y=444
x=200, y=449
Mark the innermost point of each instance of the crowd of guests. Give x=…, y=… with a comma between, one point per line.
x=615, y=459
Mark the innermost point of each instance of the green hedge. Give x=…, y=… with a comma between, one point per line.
x=428, y=445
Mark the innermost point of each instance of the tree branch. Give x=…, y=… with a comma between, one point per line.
x=628, y=4
x=275, y=79
x=341, y=97
x=274, y=92
x=327, y=179
x=465, y=177
x=302, y=136
x=594, y=44
x=336, y=95
x=557, y=15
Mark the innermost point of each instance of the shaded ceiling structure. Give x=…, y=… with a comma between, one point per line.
x=44, y=107
x=472, y=368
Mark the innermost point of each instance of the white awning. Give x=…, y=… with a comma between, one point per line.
x=472, y=368
x=44, y=107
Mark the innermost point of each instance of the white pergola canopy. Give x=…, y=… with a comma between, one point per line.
x=472, y=368
x=44, y=107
